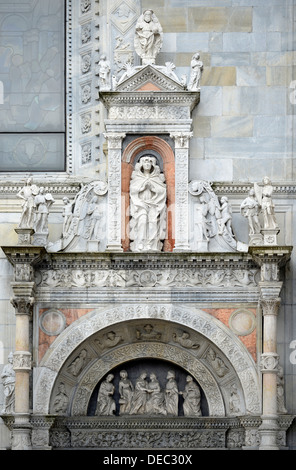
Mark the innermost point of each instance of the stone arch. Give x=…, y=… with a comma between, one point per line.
x=49, y=373
x=160, y=147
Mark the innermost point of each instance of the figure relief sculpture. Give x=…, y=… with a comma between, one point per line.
x=185, y=341
x=147, y=396
x=156, y=400
x=106, y=404
x=234, y=400
x=140, y=395
x=191, y=395
x=28, y=193
x=171, y=394
x=250, y=208
x=84, y=222
x=217, y=363
x=148, y=37
x=96, y=212
x=67, y=215
x=195, y=75
x=8, y=376
x=147, y=206
x=78, y=364
x=126, y=392
x=104, y=69
x=60, y=404
x=211, y=226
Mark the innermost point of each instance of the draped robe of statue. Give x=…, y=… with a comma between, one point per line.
x=147, y=206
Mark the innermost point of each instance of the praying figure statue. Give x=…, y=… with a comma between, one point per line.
x=148, y=37
x=147, y=206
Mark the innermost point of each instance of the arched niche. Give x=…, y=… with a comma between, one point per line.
x=134, y=369
x=159, y=148
x=91, y=331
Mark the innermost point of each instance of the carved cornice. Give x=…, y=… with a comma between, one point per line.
x=10, y=188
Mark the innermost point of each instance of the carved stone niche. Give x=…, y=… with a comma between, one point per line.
x=149, y=102
x=164, y=396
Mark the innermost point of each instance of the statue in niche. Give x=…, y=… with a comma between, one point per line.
x=8, y=376
x=147, y=206
x=126, y=392
x=156, y=401
x=106, y=404
x=196, y=71
x=217, y=363
x=148, y=334
x=28, y=193
x=171, y=394
x=250, y=208
x=78, y=364
x=60, y=404
x=148, y=37
x=191, y=395
x=185, y=341
x=42, y=204
x=140, y=395
x=264, y=197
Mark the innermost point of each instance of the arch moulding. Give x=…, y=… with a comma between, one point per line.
x=50, y=367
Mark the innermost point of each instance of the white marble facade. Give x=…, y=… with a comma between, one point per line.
x=216, y=185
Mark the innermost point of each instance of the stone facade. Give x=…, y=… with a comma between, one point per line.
x=205, y=92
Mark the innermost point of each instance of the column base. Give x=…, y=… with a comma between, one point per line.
x=21, y=432
x=268, y=432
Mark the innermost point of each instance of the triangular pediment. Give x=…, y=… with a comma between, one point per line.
x=149, y=78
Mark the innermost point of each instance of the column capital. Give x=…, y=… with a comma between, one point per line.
x=181, y=138
x=114, y=139
x=270, y=306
